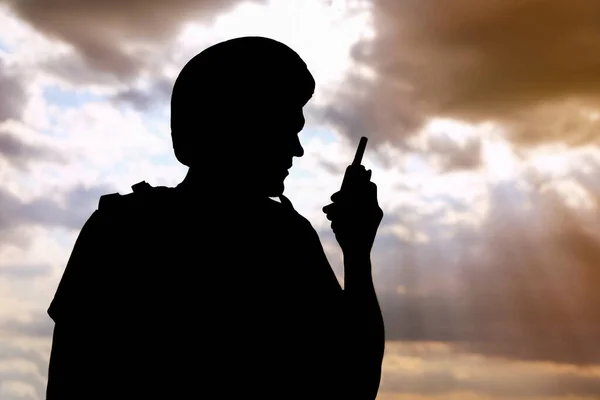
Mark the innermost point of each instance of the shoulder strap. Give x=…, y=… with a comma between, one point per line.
x=112, y=200
x=142, y=187
x=108, y=201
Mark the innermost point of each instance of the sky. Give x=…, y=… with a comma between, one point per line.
x=481, y=118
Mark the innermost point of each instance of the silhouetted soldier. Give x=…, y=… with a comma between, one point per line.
x=212, y=289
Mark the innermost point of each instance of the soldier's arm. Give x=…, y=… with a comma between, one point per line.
x=75, y=363
x=364, y=327
x=362, y=323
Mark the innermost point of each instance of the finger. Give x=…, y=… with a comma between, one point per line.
x=362, y=177
x=355, y=168
x=372, y=188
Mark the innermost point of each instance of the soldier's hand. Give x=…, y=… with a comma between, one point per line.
x=355, y=214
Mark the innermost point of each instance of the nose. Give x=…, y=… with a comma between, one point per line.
x=298, y=150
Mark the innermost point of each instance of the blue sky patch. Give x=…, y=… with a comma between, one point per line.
x=163, y=159
x=4, y=48
x=70, y=98
x=310, y=132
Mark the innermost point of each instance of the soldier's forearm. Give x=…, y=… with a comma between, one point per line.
x=358, y=277
x=365, y=326
x=361, y=299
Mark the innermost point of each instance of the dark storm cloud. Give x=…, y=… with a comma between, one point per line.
x=473, y=60
x=100, y=31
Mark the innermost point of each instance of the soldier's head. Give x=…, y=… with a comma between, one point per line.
x=236, y=109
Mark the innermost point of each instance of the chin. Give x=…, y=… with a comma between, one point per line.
x=275, y=190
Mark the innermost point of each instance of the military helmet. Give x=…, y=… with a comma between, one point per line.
x=245, y=74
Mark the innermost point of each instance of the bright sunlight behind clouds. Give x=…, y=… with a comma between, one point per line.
x=482, y=144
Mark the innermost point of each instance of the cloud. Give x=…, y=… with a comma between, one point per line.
x=454, y=156
x=23, y=371
x=13, y=93
x=469, y=60
x=144, y=99
x=70, y=212
x=114, y=37
x=436, y=369
x=573, y=122
x=20, y=153
x=447, y=146
x=519, y=282
x=38, y=326
x=504, y=269
x=25, y=271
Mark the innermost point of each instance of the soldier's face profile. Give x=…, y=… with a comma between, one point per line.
x=271, y=155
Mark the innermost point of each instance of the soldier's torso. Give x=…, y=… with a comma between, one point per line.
x=208, y=293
